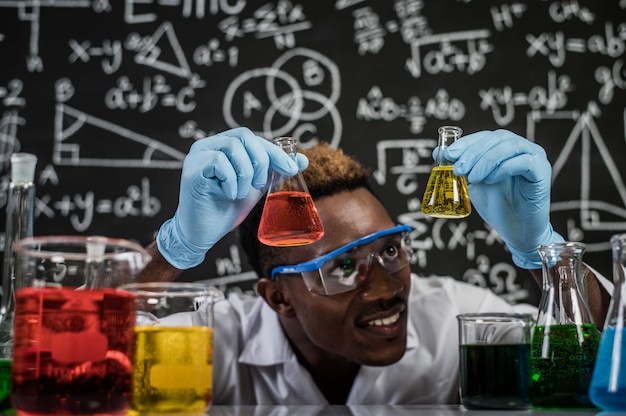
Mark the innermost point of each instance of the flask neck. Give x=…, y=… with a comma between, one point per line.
x=618, y=247
x=20, y=210
x=288, y=144
x=616, y=314
x=447, y=136
x=564, y=290
x=281, y=183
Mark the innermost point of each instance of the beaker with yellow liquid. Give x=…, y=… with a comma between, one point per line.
x=446, y=194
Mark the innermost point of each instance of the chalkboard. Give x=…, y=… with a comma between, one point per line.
x=111, y=94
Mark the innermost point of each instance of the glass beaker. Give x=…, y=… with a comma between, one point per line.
x=173, y=359
x=446, y=194
x=565, y=340
x=73, y=331
x=494, y=356
x=608, y=384
x=289, y=216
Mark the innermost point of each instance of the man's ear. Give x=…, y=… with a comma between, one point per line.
x=274, y=294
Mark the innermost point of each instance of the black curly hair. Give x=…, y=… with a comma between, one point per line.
x=330, y=171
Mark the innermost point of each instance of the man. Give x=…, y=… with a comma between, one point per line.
x=342, y=320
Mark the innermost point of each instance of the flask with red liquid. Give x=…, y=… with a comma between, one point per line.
x=289, y=217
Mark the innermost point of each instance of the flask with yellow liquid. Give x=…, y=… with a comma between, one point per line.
x=446, y=194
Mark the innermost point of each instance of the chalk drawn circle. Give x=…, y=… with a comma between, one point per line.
x=258, y=73
x=331, y=68
x=310, y=95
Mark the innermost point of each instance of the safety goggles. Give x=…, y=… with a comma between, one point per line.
x=347, y=267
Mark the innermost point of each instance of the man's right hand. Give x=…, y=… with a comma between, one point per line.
x=223, y=177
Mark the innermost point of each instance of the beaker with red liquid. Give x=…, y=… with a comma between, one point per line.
x=289, y=216
x=74, y=332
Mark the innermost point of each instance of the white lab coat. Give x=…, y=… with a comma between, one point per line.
x=254, y=363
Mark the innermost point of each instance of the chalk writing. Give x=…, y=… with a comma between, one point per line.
x=449, y=57
x=81, y=208
x=111, y=95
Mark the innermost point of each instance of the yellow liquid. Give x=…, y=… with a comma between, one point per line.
x=446, y=195
x=173, y=369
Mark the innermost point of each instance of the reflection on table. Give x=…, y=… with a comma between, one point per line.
x=383, y=410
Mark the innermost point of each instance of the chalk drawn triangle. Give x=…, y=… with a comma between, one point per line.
x=81, y=139
x=584, y=143
x=164, y=39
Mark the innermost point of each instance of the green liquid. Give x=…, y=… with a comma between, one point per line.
x=5, y=386
x=494, y=376
x=561, y=364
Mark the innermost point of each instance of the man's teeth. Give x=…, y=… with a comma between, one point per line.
x=385, y=321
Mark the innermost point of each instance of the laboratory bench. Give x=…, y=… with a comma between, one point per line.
x=389, y=410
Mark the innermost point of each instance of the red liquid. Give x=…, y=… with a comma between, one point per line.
x=73, y=351
x=289, y=219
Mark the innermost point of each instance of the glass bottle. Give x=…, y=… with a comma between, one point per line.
x=565, y=340
x=446, y=194
x=19, y=224
x=289, y=217
x=608, y=384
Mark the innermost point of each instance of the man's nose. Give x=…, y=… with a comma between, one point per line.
x=379, y=282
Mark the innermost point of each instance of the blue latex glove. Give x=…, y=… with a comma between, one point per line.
x=223, y=177
x=509, y=181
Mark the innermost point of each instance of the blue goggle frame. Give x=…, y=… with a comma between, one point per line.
x=318, y=262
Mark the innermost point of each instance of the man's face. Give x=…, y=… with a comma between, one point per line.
x=366, y=325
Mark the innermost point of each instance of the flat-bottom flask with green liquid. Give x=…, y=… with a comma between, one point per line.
x=446, y=194
x=565, y=341
x=561, y=378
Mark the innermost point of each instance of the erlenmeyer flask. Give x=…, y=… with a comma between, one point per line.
x=446, y=194
x=565, y=340
x=608, y=384
x=289, y=217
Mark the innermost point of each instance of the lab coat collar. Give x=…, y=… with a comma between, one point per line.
x=261, y=349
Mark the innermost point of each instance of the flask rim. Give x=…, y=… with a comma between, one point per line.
x=618, y=238
x=561, y=245
x=456, y=130
x=284, y=140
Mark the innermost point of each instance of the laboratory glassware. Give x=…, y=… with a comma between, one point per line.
x=19, y=224
x=173, y=358
x=565, y=340
x=73, y=345
x=494, y=359
x=446, y=194
x=289, y=216
x=608, y=384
